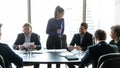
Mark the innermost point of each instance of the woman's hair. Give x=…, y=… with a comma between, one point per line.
x=59, y=10
x=100, y=34
x=116, y=30
x=0, y=26
x=27, y=24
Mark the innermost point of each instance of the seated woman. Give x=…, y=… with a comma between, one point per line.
x=115, y=35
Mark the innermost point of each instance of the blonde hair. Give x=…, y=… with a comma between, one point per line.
x=27, y=24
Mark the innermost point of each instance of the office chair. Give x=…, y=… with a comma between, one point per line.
x=2, y=62
x=63, y=42
x=111, y=63
x=106, y=57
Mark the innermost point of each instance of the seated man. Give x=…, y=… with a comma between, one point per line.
x=10, y=56
x=94, y=52
x=26, y=37
x=82, y=40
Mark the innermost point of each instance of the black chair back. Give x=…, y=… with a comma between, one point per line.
x=111, y=63
x=106, y=57
x=63, y=42
x=2, y=62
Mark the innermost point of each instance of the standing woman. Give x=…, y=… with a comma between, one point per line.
x=55, y=29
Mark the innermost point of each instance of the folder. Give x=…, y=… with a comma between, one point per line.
x=71, y=57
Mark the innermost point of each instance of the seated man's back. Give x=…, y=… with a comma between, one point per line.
x=9, y=56
x=101, y=48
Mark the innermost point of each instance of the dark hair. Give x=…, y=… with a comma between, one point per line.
x=0, y=25
x=59, y=10
x=100, y=34
x=116, y=30
x=84, y=24
x=27, y=24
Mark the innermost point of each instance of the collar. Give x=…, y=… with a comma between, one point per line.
x=29, y=35
x=101, y=42
x=82, y=34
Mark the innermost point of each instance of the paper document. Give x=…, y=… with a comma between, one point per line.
x=27, y=44
x=66, y=54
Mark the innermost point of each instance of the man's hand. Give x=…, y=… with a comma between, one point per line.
x=21, y=47
x=70, y=48
x=32, y=47
x=77, y=48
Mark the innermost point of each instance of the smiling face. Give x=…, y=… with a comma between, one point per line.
x=27, y=30
x=113, y=35
x=82, y=30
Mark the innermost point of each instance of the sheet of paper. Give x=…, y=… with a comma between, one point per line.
x=66, y=54
x=27, y=44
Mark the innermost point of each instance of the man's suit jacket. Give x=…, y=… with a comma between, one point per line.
x=94, y=52
x=86, y=41
x=113, y=43
x=10, y=57
x=21, y=39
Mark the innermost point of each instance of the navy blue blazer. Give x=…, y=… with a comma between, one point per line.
x=21, y=39
x=94, y=52
x=86, y=41
x=10, y=56
x=53, y=25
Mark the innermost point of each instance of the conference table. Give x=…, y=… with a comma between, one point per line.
x=49, y=56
